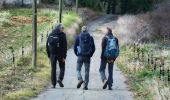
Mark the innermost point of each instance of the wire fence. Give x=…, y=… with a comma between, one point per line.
x=155, y=60
x=11, y=71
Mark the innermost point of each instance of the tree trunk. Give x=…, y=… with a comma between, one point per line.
x=22, y=3
x=34, y=34
x=124, y=4
x=108, y=7
x=77, y=6
x=113, y=6
x=60, y=10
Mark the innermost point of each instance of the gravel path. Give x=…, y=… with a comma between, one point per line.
x=95, y=92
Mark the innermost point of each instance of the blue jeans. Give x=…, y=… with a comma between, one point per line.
x=110, y=70
x=86, y=62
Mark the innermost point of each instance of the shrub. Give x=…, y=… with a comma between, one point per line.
x=4, y=18
x=133, y=29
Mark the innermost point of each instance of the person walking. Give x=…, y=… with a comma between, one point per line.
x=84, y=49
x=56, y=47
x=110, y=51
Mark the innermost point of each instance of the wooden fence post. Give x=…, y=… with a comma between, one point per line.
x=22, y=51
x=134, y=47
x=143, y=56
x=52, y=28
x=138, y=52
x=152, y=57
x=47, y=35
x=169, y=75
x=155, y=65
x=13, y=60
x=41, y=41
x=162, y=71
x=148, y=58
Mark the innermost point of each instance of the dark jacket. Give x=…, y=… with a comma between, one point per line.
x=104, y=43
x=63, y=48
x=76, y=44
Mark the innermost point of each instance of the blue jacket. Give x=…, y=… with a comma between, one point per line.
x=76, y=44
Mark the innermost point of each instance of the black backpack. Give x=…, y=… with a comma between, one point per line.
x=54, y=43
x=85, y=44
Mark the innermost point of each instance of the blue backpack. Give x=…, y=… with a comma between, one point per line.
x=85, y=44
x=111, y=50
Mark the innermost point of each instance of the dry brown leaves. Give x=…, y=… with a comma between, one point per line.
x=28, y=20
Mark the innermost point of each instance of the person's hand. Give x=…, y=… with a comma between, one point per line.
x=64, y=59
x=49, y=56
x=110, y=61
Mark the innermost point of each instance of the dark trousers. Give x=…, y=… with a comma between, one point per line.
x=110, y=70
x=54, y=59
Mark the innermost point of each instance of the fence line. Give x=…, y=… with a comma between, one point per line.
x=9, y=58
x=152, y=62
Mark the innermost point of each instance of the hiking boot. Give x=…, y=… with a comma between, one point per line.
x=85, y=88
x=79, y=83
x=105, y=84
x=53, y=86
x=60, y=83
x=110, y=88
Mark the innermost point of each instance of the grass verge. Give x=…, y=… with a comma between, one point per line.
x=143, y=81
x=31, y=81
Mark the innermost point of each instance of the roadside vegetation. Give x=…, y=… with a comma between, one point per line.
x=147, y=79
x=145, y=52
x=16, y=25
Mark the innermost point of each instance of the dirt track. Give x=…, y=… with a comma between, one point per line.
x=95, y=92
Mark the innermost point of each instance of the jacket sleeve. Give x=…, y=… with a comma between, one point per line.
x=76, y=43
x=118, y=49
x=93, y=47
x=103, y=44
x=47, y=49
x=64, y=46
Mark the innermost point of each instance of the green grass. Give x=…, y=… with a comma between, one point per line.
x=135, y=79
x=17, y=31
x=34, y=81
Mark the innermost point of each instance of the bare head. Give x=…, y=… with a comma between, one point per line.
x=84, y=29
x=109, y=30
x=60, y=27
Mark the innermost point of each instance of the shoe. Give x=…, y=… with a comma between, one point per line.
x=60, y=83
x=53, y=86
x=85, y=88
x=79, y=83
x=105, y=84
x=110, y=88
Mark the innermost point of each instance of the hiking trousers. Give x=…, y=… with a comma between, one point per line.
x=110, y=71
x=54, y=59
